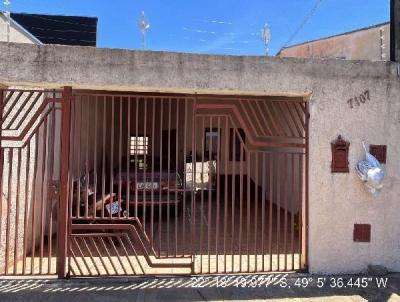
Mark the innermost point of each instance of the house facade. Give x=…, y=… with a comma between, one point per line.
x=239, y=147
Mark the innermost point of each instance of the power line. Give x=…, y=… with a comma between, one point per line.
x=303, y=23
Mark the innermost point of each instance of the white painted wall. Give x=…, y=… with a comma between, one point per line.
x=338, y=201
x=17, y=33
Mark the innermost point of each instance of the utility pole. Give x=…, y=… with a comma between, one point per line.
x=266, y=37
x=143, y=26
x=395, y=30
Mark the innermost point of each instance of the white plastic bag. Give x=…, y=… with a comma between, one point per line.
x=371, y=173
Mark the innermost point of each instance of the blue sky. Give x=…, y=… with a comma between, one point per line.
x=219, y=26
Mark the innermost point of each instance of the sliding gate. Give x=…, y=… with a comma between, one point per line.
x=97, y=184
x=164, y=184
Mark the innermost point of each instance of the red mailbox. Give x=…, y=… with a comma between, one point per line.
x=340, y=155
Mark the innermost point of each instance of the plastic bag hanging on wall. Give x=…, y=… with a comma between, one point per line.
x=371, y=173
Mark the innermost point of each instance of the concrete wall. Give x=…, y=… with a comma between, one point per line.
x=336, y=201
x=365, y=44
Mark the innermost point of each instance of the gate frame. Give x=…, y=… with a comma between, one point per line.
x=304, y=262
x=64, y=219
x=62, y=236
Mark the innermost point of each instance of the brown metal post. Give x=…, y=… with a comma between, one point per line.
x=64, y=177
x=2, y=95
x=307, y=151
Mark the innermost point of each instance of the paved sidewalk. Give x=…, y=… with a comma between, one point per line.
x=279, y=287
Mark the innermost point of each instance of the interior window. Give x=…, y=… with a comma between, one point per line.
x=139, y=145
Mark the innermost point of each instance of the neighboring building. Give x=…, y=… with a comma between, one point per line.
x=18, y=34
x=369, y=43
x=50, y=29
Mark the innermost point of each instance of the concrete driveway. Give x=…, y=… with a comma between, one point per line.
x=276, y=287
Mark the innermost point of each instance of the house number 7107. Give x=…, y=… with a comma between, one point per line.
x=358, y=100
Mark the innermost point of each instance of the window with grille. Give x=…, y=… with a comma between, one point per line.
x=139, y=145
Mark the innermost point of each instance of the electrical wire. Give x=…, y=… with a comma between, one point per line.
x=303, y=23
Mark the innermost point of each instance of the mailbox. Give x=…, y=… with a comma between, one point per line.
x=340, y=155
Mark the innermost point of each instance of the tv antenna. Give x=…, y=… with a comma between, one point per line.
x=266, y=37
x=7, y=4
x=143, y=26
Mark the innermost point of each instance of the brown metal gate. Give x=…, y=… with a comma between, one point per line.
x=130, y=205
x=137, y=184
x=169, y=184
x=253, y=156
x=29, y=184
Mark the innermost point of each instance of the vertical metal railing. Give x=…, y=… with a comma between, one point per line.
x=267, y=184
x=219, y=185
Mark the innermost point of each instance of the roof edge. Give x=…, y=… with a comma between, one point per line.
x=55, y=15
x=333, y=36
